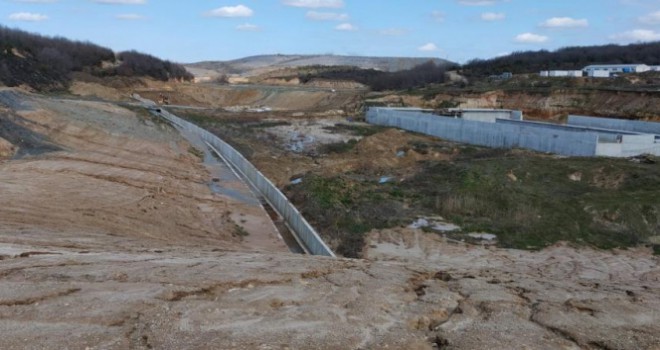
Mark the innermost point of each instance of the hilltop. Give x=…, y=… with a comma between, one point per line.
x=576, y=57
x=49, y=63
x=259, y=64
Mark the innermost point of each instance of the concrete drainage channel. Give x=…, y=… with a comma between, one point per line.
x=301, y=230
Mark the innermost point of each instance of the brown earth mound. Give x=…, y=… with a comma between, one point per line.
x=7, y=150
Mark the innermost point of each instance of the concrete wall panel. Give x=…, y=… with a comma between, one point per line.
x=497, y=135
x=616, y=124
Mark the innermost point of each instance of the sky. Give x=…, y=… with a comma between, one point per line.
x=457, y=30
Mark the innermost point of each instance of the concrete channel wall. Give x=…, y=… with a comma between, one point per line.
x=303, y=231
x=503, y=134
x=615, y=124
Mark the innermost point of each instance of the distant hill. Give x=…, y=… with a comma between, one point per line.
x=259, y=64
x=567, y=58
x=46, y=63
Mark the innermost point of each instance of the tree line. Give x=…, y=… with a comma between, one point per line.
x=46, y=63
x=418, y=76
x=569, y=58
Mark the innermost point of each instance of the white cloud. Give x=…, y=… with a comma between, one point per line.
x=565, y=22
x=27, y=17
x=530, y=38
x=430, y=47
x=315, y=3
x=492, y=16
x=636, y=35
x=121, y=2
x=651, y=18
x=248, y=27
x=231, y=11
x=438, y=16
x=326, y=16
x=130, y=17
x=347, y=27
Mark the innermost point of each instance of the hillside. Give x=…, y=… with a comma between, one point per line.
x=45, y=63
x=566, y=58
x=261, y=63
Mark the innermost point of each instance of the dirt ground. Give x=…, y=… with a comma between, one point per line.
x=588, y=298
x=120, y=178
x=111, y=238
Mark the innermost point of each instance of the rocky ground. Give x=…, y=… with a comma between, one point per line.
x=111, y=238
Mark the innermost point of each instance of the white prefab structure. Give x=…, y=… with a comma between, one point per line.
x=618, y=68
x=599, y=74
x=561, y=73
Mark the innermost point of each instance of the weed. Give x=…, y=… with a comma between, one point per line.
x=196, y=152
x=356, y=129
x=338, y=147
x=527, y=200
x=239, y=231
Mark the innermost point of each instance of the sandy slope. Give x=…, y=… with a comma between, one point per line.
x=121, y=179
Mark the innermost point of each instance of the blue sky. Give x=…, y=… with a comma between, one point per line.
x=458, y=30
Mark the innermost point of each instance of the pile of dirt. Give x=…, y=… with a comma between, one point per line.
x=85, y=89
x=391, y=152
x=7, y=150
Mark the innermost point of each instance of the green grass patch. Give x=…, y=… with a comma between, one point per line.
x=338, y=147
x=196, y=152
x=529, y=201
x=356, y=129
x=345, y=209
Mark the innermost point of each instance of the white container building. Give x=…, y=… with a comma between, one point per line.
x=561, y=73
x=617, y=68
x=598, y=74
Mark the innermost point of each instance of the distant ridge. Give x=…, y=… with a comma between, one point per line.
x=257, y=64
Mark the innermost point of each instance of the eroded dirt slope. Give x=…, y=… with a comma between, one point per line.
x=111, y=177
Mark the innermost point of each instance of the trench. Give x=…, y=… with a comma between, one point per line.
x=223, y=173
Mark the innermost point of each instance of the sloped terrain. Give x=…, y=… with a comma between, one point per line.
x=87, y=169
x=111, y=238
x=263, y=63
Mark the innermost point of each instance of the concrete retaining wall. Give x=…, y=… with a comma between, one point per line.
x=627, y=149
x=508, y=134
x=615, y=124
x=300, y=227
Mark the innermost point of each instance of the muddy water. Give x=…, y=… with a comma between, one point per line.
x=225, y=181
